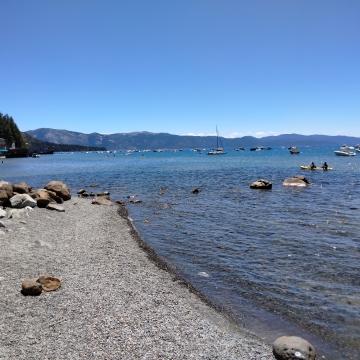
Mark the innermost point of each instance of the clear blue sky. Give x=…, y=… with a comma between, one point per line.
x=251, y=67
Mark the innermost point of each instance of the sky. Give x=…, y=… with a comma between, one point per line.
x=249, y=67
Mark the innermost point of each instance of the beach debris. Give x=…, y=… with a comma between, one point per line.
x=22, y=200
x=48, y=283
x=195, y=191
x=297, y=180
x=293, y=348
x=59, y=188
x=31, y=287
x=261, y=184
x=101, y=201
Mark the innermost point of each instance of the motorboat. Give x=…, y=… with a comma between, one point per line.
x=357, y=147
x=344, y=151
x=294, y=150
x=218, y=150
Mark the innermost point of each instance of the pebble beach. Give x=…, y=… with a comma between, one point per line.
x=117, y=299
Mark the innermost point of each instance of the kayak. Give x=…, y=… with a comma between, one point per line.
x=304, y=167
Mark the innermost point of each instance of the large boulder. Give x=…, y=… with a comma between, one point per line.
x=7, y=187
x=261, y=184
x=297, y=180
x=293, y=348
x=21, y=188
x=59, y=188
x=42, y=198
x=3, y=197
x=22, y=200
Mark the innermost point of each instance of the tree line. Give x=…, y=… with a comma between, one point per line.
x=10, y=132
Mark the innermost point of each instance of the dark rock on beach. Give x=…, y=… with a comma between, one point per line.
x=21, y=188
x=293, y=348
x=31, y=287
x=261, y=184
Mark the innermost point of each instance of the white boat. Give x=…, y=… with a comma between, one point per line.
x=218, y=150
x=344, y=151
x=294, y=150
x=35, y=155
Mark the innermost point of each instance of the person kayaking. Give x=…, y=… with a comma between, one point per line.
x=312, y=166
x=325, y=166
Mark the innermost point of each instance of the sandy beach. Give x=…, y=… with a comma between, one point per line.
x=117, y=301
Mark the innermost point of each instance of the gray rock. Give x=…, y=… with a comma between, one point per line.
x=298, y=181
x=55, y=207
x=293, y=348
x=261, y=184
x=81, y=191
x=2, y=224
x=2, y=213
x=31, y=287
x=22, y=200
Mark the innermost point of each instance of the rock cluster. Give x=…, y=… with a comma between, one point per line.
x=35, y=287
x=21, y=195
x=297, y=180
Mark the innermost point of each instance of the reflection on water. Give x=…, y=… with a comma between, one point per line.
x=290, y=253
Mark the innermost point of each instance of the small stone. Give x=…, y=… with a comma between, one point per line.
x=31, y=287
x=23, y=222
x=101, y=201
x=137, y=201
x=81, y=191
x=2, y=224
x=2, y=213
x=49, y=283
x=55, y=207
x=195, y=191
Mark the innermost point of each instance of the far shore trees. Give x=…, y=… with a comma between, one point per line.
x=10, y=132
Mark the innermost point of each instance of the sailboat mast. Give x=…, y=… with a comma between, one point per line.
x=217, y=138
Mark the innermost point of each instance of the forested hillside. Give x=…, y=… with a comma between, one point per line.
x=10, y=132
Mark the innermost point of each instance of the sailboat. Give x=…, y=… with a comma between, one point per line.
x=218, y=150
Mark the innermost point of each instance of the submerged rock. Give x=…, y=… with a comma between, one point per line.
x=261, y=184
x=293, y=348
x=297, y=180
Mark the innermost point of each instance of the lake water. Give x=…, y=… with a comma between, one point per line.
x=281, y=262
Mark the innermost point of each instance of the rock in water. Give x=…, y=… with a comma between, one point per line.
x=297, y=180
x=31, y=287
x=293, y=348
x=59, y=188
x=261, y=184
x=22, y=200
x=48, y=283
x=101, y=201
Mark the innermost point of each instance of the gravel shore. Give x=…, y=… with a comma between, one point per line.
x=116, y=301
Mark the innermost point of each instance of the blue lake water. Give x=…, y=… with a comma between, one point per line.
x=281, y=262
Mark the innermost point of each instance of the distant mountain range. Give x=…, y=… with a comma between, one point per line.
x=147, y=140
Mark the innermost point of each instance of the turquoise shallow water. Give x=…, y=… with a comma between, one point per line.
x=284, y=261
